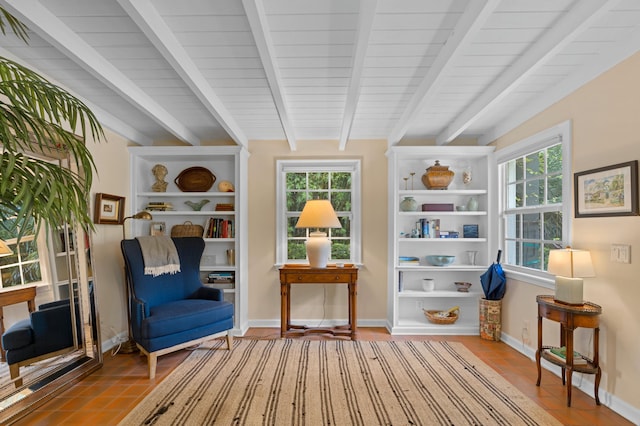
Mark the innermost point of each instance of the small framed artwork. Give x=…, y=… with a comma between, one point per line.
x=158, y=228
x=470, y=231
x=607, y=191
x=109, y=209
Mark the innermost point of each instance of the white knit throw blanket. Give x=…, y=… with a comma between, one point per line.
x=159, y=254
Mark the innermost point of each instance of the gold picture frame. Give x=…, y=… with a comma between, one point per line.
x=109, y=209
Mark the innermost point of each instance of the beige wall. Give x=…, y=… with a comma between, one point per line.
x=307, y=303
x=605, y=114
x=112, y=162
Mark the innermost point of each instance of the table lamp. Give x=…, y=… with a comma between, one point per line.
x=4, y=249
x=318, y=214
x=570, y=266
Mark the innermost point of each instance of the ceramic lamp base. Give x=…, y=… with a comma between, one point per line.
x=318, y=249
x=568, y=291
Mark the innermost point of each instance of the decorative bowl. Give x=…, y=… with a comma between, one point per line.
x=462, y=208
x=462, y=286
x=440, y=260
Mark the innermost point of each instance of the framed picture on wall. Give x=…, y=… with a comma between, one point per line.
x=607, y=191
x=109, y=209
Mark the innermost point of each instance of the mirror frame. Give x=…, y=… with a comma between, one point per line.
x=90, y=358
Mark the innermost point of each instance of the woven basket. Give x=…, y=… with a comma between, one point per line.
x=436, y=319
x=187, y=229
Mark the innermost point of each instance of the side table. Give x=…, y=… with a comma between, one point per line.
x=570, y=317
x=304, y=274
x=15, y=295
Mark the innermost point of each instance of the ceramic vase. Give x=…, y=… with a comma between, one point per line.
x=408, y=204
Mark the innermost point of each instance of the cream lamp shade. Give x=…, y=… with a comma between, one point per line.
x=4, y=249
x=570, y=267
x=318, y=214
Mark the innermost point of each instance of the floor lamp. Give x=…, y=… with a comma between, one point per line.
x=130, y=346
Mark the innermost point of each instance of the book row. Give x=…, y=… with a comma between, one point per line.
x=219, y=228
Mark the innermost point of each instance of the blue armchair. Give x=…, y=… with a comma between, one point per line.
x=173, y=311
x=45, y=334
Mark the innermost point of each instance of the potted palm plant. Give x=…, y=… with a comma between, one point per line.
x=45, y=121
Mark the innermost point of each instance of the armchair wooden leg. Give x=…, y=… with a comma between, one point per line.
x=229, y=340
x=152, y=361
x=14, y=371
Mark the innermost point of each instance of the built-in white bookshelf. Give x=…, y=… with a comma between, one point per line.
x=226, y=163
x=406, y=298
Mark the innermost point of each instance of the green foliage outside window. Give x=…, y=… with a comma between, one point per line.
x=332, y=186
x=533, y=181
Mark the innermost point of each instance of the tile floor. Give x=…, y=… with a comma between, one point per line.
x=106, y=396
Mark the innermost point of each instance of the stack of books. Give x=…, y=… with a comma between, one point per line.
x=224, y=207
x=408, y=260
x=159, y=206
x=221, y=279
x=560, y=354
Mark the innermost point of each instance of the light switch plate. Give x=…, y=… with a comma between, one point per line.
x=621, y=253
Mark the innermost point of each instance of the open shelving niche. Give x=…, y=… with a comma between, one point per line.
x=406, y=298
x=227, y=164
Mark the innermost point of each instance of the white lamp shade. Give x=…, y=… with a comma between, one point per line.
x=570, y=263
x=318, y=214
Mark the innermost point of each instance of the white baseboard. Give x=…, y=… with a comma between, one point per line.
x=109, y=344
x=584, y=382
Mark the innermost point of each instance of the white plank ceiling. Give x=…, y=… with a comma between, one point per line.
x=200, y=71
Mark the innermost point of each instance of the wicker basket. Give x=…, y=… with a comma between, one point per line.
x=187, y=229
x=437, y=319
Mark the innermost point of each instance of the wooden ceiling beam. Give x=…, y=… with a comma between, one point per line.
x=365, y=24
x=573, y=23
x=106, y=119
x=40, y=20
x=472, y=20
x=262, y=36
x=147, y=18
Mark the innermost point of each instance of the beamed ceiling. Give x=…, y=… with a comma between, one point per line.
x=202, y=71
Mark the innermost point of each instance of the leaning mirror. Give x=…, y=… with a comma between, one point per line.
x=48, y=316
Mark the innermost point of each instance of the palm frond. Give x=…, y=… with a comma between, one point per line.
x=38, y=189
x=18, y=27
x=39, y=117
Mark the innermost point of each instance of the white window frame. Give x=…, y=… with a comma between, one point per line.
x=559, y=133
x=43, y=253
x=291, y=166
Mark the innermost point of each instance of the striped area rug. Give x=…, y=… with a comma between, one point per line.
x=335, y=382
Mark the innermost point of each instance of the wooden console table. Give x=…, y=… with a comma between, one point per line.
x=304, y=274
x=570, y=317
x=10, y=297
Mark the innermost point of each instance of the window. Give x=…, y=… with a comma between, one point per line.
x=23, y=266
x=335, y=180
x=535, y=185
